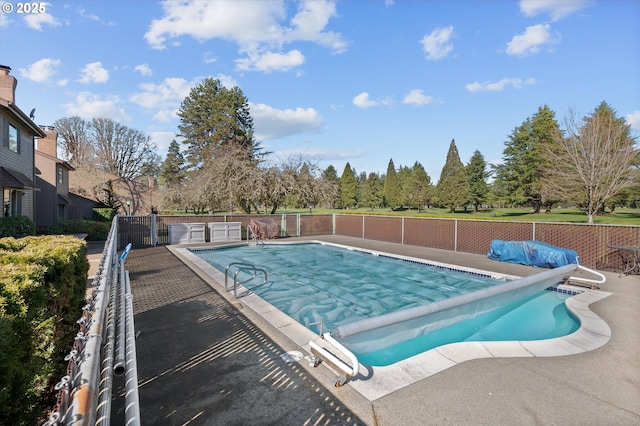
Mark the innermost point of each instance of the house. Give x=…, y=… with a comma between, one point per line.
x=53, y=201
x=17, y=152
x=133, y=197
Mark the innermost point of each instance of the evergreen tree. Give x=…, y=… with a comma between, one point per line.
x=212, y=117
x=330, y=179
x=372, y=191
x=453, y=186
x=478, y=175
x=348, y=188
x=172, y=169
x=417, y=188
x=392, y=191
x=404, y=179
x=521, y=172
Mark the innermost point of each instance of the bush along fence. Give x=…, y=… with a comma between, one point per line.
x=103, y=347
x=42, y=287
x=592, y=242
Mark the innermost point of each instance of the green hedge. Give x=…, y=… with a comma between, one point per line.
x=95, y=230
x=42, y=289
x=16, y=226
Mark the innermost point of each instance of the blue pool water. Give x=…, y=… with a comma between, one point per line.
x=315, y=283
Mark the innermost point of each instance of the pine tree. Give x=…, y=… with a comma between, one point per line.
x=417, y=188
x=330, y=178
x=348, y=188
x=521, y=172
x=478, y=175
x=172, y=170
x=372, y=191
x=392, y=191
x=453, y=186
x=212, y=117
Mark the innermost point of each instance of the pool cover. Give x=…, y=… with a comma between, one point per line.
x=532, y=253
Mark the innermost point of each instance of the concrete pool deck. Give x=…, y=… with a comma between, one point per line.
x=204, y=358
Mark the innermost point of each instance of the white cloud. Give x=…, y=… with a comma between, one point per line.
x=271, y=61
x=88, y=105
x=272, y=123
x=633, y=120
x=557, y=9
x=417, y=97
x=37, y=20
x=530, y=42
x=165, y=97
x=364, y=101
x=320, y=154
x=4, y=19
x=309, y=23
x=259, y=28
x=42, y=70
x=437, y=44
x=143, y=69
x=94, y=73
x=162, y=140
x=498, y=86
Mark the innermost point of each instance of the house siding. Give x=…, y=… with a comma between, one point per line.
x=22, y=161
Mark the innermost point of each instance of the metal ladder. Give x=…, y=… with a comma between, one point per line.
x=242, y=267
x=251, y=235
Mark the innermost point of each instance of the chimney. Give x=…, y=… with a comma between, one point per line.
x=48, y=145
x=7, y=84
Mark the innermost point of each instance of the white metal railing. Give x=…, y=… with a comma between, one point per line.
x=85, y=393
x=242, y=267
x=320, y=353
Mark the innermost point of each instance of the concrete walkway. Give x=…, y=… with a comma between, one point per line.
x=203, y=359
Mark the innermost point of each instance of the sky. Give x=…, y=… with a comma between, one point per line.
x=361, y=81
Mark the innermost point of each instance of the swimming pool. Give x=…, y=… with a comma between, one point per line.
x=326, y=287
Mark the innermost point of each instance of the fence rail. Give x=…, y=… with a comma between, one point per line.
x=592, y=242
x=85, y=393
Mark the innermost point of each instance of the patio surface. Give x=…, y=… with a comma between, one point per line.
x=206, y=359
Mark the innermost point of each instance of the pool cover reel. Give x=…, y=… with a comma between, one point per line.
x=446, y=312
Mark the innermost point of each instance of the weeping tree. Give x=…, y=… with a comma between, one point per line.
x=593, y=160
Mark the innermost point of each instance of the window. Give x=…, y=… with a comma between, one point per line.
x=14, y=140
x=60, y=176
x=12, y=205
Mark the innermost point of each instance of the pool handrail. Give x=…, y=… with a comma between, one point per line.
x=592, y=283
x=319, y=352
x=242, y=267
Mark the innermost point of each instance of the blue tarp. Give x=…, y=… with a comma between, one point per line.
x=532, y=253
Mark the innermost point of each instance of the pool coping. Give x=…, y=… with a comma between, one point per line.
x=376, y=382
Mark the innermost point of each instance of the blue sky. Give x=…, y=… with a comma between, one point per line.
x=358, y=81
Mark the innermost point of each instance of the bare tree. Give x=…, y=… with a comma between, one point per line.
x=119, y=149
x=73, y=138
x=595, y=160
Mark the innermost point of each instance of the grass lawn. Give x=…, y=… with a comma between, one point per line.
x=621, y=216
x=566, y=215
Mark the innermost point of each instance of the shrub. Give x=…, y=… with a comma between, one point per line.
x=42, y=288
x=16, y=226
x=95, y=230
x=104, y=214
